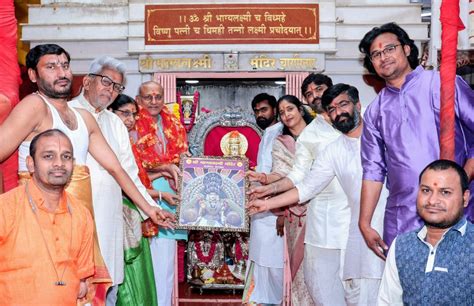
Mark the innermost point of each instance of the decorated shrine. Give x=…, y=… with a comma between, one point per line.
x=218, y=259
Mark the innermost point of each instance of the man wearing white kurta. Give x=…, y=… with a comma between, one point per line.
x=362, y=270
x=265, y=246
x=101, y=87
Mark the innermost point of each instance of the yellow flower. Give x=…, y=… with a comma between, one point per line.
x=175, y=110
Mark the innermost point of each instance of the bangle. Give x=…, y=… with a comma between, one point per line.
x=265, y=179
x=159, y=195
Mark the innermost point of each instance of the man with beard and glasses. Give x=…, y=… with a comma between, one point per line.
x=265, y=267
x=321, y=236
x=362, y=269
x=48, y=67
x=433, y=265
x=401, y=131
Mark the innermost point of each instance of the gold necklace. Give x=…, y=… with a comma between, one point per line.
x=59, y=281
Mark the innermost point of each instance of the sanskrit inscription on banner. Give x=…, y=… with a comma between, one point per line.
x=232, y=24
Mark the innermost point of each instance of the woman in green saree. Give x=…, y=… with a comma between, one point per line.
x=138, y=287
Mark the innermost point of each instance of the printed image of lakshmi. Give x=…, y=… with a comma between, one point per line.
x=213, y=200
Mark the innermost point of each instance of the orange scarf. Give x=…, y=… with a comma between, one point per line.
x=175, y=138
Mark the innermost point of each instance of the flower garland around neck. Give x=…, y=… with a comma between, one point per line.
x=212, y=250
x=188, y=126
x=148, y=140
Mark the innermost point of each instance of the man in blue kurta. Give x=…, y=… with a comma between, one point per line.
x=401, y=131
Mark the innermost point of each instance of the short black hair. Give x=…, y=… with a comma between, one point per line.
x=316, y=78
x=444, y=164
x=262, y=97
x=47, y=133
x=121, y=100
x=332, y=92
x=33, y=57
x=392, y=27
x=296, y=102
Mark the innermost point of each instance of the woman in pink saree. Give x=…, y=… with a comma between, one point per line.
x=291, y=221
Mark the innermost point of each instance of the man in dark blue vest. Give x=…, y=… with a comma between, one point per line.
x=434, y=264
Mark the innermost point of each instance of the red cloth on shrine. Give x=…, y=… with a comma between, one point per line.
x=181, y=269
x=450, y=25
x=212, y=143
x=9, y=83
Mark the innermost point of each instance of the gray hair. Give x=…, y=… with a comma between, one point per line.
x=105, y=61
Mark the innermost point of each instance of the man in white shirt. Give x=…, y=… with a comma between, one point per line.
x=341, y=159
x=265, y=246
x=324, y=243
x=101, y=87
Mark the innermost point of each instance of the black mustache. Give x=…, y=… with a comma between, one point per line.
x=62, y=79
x=338, y=117
x=434, y=206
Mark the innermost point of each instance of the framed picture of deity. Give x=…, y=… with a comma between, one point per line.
x=213, y=192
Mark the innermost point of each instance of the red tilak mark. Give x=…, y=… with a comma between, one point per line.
x=436, y=184
x=380, y=45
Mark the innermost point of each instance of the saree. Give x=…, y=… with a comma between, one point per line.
x=283, y=155
x=80, y=188
x=138, y=287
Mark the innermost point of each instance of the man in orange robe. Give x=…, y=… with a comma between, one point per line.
x=46, y=235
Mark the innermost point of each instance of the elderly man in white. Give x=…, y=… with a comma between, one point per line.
x=341, y=159
x=101, y=87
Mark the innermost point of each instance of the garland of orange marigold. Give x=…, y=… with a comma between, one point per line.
x=175, y=134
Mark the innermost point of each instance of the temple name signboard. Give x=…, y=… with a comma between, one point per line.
x=304, y=61
x=232, y=24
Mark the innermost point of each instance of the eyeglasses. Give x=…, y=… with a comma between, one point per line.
x=150, y=98
x=343, y=104
x=127, y=114
x=107, y=82
x=388, y=50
